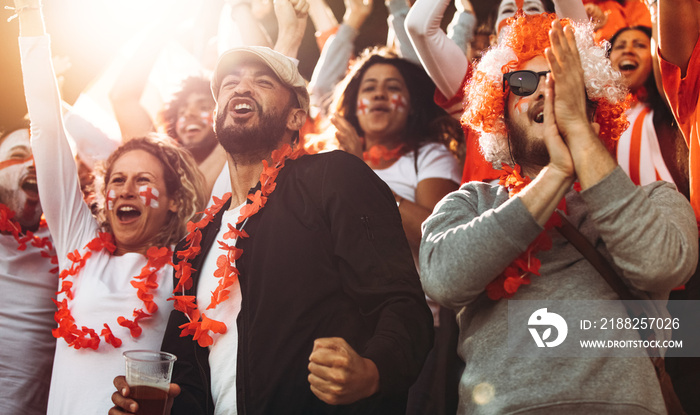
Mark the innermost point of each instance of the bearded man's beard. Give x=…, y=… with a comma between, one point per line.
x=530, y=153
x=252, y=143
x=27, y=212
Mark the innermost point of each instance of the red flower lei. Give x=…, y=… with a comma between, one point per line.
x=199, y=324
x=11, y=226
x=377, y=153
x=518, y=272
x=145, y=282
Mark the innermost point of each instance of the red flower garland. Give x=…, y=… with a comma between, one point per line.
x=377, y=153
x=518, y=272
x=199, y=324
x=11, y=226
x=145, y=283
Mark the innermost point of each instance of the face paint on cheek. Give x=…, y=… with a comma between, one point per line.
x=362, y=106
x=14, y=162
x=398, y=103
x=522, y=105
x=207, y=117
x=111, y=195
x=149, y=196
x=180, y=122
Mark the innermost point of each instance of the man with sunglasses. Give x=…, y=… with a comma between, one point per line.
x=549, y=118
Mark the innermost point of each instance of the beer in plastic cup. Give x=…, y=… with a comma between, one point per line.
x=148, y=373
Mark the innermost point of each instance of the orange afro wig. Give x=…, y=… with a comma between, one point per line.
x=527, y=36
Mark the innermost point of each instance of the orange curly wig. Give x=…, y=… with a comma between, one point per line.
x=527, y=36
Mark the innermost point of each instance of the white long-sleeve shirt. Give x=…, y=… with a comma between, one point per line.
x=81, y=381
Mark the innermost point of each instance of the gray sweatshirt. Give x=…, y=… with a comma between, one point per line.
x=648, y=234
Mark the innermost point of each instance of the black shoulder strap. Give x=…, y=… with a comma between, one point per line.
x=586, y=248
x=593, y=256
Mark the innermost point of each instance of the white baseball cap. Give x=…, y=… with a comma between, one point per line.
x=285, y=69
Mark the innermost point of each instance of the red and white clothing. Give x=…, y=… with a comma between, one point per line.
x=476, y=168
x=26, y=320
x=638, y=150
x=81, y=382
x=683, y=96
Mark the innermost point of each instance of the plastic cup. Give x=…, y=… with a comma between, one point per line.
x=148, y=373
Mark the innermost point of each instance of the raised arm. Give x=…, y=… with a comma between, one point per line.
x=398, y=9
x=659, y=219
x=679, y=24
x=31, y=21
x=125, y=95
x=69, y=219
x=291, y=18
x=337, y=52
x=322, y=17
x=441, y=57
x=461, y=28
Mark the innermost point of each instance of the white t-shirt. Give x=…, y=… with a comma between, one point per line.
x=26, y=320
x=223, y=353
x=434, y=162
x=81, y=382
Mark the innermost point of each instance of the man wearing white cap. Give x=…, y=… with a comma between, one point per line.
x=308, y=302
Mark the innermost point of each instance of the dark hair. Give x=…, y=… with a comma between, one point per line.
x=644, y=29
x=183, y=182
x=168, y=116
x=427, y=122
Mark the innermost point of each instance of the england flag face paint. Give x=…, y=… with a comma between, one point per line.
x=522, y=104
x=398, y=103
x=207, y=117
x=149, y=196
x=362, y=106
x=109, y=200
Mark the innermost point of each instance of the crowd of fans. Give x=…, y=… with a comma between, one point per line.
x=289, y=239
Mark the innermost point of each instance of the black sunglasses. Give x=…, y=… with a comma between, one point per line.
x=523, y=83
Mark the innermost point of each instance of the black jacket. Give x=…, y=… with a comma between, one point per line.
x=327, y=257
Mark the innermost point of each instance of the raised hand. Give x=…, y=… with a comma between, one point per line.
x=570, y=109
x=347, y=136
x=597, y=16
x=592, y=161
x=356, y=12
x=291, y=18
x=291, y=14
x=559, y=154
x=464, y=6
